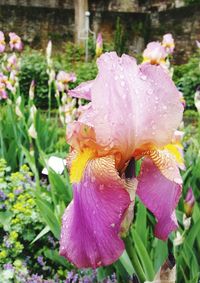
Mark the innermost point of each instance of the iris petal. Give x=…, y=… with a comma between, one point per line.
x=160, y=196
x=82, y=91
x=91, y=223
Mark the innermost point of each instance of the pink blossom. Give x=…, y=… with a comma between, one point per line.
x=154, y=53
x=168, y=43
x=12, y=63
x=133, y=113
x=2, y=42
x=99, y=44
x=198, y=43
x=3, y=93
x=63, y=79
x=15, y=42
x=189, y=202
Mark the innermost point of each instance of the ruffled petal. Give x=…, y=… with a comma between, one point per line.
x=166, y=162
x=160, y=195
x=91, y=223
x=133, y=105
x=82, y=91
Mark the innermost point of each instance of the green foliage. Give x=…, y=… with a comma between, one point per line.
x=120, y=38
x=34, y=67
x=187, y=79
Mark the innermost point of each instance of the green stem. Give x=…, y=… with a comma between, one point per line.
x=134, y=259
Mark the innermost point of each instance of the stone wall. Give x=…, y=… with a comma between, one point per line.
x=38, y=21
x=184, y=24
x=37, y=25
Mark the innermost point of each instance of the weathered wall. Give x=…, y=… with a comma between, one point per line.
x=67, y=4
x=37, y=25
x=184, y=24
x=37, y=21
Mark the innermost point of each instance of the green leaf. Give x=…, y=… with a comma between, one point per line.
x=5, y=218
x=55, y=257
x=143, y=255
x=59, y=186
x=41, y=234
x=141, y=217
x=160, y=253
x=49, y=217
x=126, y=262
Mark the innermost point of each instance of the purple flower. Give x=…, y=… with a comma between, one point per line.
x=18, y=191
x=8, y=266
x=51, y=240
x=189, y=202
x=2, y=195
x=40, y=260
x=99, y=44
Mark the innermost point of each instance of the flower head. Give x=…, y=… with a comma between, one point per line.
x=32, y=90
x=197, y=99
x=198, y=43
x=15, y=42
x=99, y=45
x=2, y=42
x=133, y=113
x=12, y=63
x=155, y=53
x=63, y=79
x=168, y=43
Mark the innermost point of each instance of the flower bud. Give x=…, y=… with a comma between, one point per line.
x=189, y=202
x=32, y=132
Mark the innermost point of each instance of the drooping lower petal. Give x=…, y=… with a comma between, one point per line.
x=160, y=195
x=91, y=223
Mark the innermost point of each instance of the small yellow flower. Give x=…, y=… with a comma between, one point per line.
x=15, y=220
x=13, y=235
x=11, y=196
x=3, y=254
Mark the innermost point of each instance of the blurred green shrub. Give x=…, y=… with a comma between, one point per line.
x=187, y=78
x=33, y=67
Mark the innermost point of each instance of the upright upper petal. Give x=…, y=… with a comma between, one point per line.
x=160, y=195
x=133, y=105
x=91, y=223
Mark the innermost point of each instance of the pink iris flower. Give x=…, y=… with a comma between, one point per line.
x=3, y=93
x=198, y=43
x=154, y=54
x=2, y=42
x=63, y=79
x=12, y=63
x=99, y=45
x=133, y=113
x=168, y=43
x=5, y=84
x=15, y=42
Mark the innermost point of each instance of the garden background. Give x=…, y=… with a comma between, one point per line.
x=35, y=110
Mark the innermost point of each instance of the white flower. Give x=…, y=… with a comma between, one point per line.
x=33, y=111
x=48, y=52
x=197, y=100
x=32, y=132
x=32, y=90
x=18, y=100
x=186, y=222
x=178, y=240
x=18, y=111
